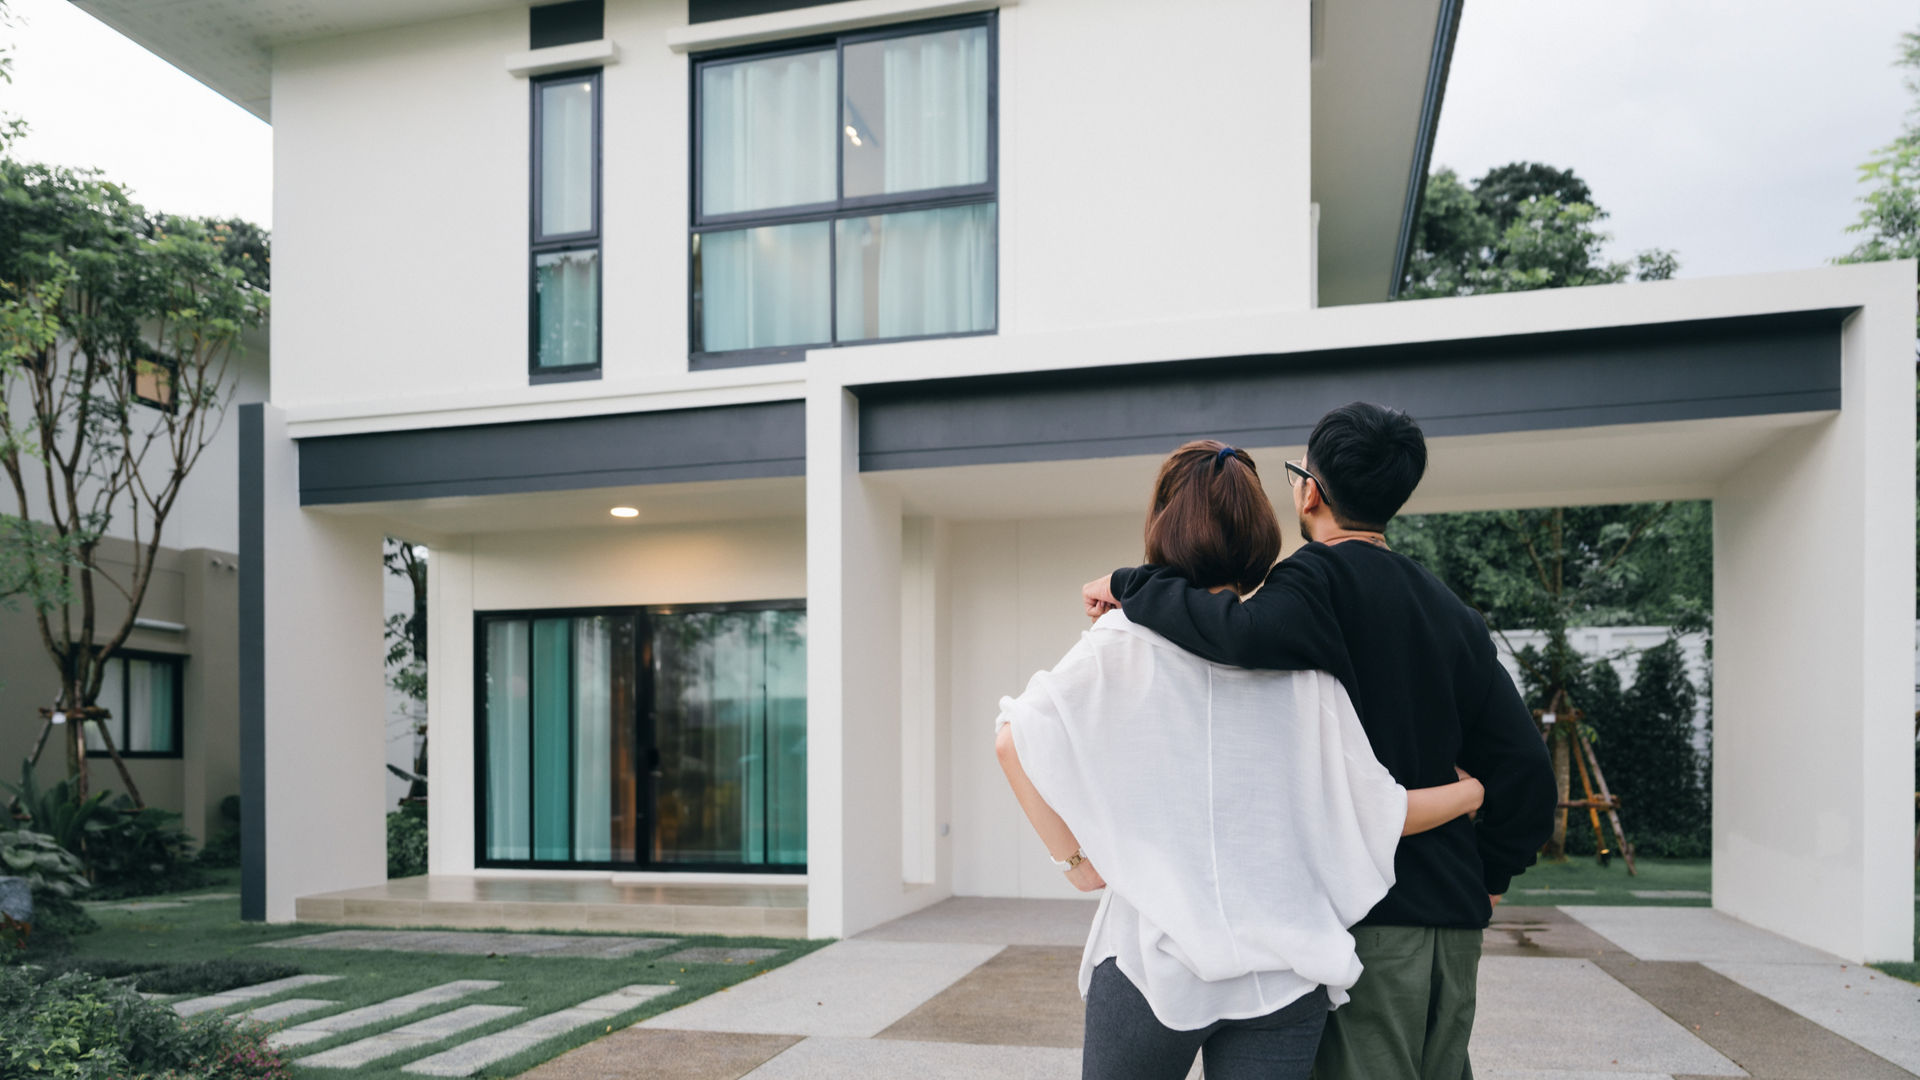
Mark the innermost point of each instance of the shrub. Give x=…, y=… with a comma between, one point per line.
x=54, y=875
x=126, y=851
x=76, y=1026
x=406, y=844
x=210, y=976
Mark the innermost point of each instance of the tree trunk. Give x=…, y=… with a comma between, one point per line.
x=1556, y=847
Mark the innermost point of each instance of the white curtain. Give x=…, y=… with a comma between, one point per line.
x=566, y=158
x=936, y=110
x=767, y=133
x=568, y=285
x=764, y=287
x=925, y=272
x=508, y=789
x=593, y=739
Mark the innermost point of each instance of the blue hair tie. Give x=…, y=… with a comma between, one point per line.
x=1220, y=458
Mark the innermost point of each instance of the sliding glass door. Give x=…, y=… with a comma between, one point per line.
x=643, y=737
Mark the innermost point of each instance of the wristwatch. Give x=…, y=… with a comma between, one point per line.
x=1067, y=865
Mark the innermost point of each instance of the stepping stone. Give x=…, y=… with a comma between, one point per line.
x=391, y=1009
x=1558, y=892
x=462, y=943
x=281, y=1010
x=143, y=905
x=721, y=955
x=239, y=994
x=469, y=1058
x=213, y=896
x=1672, y=894
x=419, y=1033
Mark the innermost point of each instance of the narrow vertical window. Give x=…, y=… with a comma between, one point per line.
x=564, y=321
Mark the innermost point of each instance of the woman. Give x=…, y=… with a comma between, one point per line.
x=1238, y=819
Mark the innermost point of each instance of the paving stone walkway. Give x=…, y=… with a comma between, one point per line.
x=420, y=1033
x=470, y=943
x=241, y=994
x=985, y=988
x=470, y=1057
x=391, y=1009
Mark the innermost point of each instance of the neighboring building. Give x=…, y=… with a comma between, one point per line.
x=1621, y=646
x=880, y=315
x=174, y=688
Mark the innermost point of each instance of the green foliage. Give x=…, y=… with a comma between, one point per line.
x=406, y=844
x=1889, y=221
x=1537, y=569
x=103, y=306
x=126, y=850
x=1522, y=226
x=82, y=1027
x=56, y=877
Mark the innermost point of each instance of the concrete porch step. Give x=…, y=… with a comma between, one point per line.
x=565, y=904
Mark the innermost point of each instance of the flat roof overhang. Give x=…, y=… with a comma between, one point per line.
x=1784, y=363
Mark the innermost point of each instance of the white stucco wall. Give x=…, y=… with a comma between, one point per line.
x=401, y=173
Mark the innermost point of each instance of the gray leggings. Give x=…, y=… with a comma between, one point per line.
x=1124, y=1041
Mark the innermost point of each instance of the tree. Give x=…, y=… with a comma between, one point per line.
x=1520, y=227
x=406, y=635
x=1554, y=569
x=117, y=329
x=1889, y=221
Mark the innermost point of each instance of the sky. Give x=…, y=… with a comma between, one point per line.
x=1727, y=130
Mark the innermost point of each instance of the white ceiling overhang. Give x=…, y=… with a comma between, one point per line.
x=1379, y=73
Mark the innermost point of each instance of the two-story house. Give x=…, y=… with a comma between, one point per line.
x=765, y=376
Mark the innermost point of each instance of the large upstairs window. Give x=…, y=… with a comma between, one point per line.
x=844, y=192
x=564, y=330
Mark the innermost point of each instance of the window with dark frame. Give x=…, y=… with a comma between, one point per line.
x=145, y=695
x=153, y=378
x=844, y=191
x=564, y=280
x=665, y=738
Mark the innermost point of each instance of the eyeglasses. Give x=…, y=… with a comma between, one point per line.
x=1297, y=473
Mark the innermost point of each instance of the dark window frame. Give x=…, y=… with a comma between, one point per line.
x=121, y=708
x=539, y=243
x=644, y=862
x=840, y=208
x=145, y=354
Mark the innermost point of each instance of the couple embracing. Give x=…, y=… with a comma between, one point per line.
x=1303, y=784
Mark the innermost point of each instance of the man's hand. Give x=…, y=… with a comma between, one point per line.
x=1085, y=878
x=1495, y=900
x=1097, y=595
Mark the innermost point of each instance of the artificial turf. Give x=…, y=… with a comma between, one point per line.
x=212, y=929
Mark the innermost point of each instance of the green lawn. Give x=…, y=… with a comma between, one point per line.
x=212, y=929
x=1582, y=880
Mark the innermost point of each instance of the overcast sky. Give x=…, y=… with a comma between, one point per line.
x=1728, y=130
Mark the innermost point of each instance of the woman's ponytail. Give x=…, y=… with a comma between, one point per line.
x=1210, y=517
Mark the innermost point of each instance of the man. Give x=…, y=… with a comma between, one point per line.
x=1421, y=669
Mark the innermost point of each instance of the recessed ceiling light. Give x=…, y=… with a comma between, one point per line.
x=624, y=512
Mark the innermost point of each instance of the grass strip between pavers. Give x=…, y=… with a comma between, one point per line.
x=1582, y=880
x=538, y=985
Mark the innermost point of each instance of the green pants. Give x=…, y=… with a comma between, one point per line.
x=1412, y=1010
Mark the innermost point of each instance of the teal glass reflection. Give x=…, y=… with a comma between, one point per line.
x=566, y=308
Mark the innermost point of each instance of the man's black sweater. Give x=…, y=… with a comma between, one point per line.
x=1421, y=670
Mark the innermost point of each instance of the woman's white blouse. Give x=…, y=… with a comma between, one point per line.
x=1239, y=818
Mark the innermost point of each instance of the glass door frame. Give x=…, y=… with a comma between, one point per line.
x=644, y=744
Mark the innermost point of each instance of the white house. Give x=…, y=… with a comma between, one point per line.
x=879, y=315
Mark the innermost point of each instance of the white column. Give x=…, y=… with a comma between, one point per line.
x=450, y=708
x=325, y=719
x=1813, y=647
x=854, y=858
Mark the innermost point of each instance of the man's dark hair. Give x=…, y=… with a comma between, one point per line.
x=1369, y=458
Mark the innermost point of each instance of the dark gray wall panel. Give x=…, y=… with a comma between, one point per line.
x=725, y=442
x=700, y=11
x=1638, y=374
x=253, y=665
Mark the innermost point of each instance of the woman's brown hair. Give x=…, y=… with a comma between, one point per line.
x=1210, y=518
